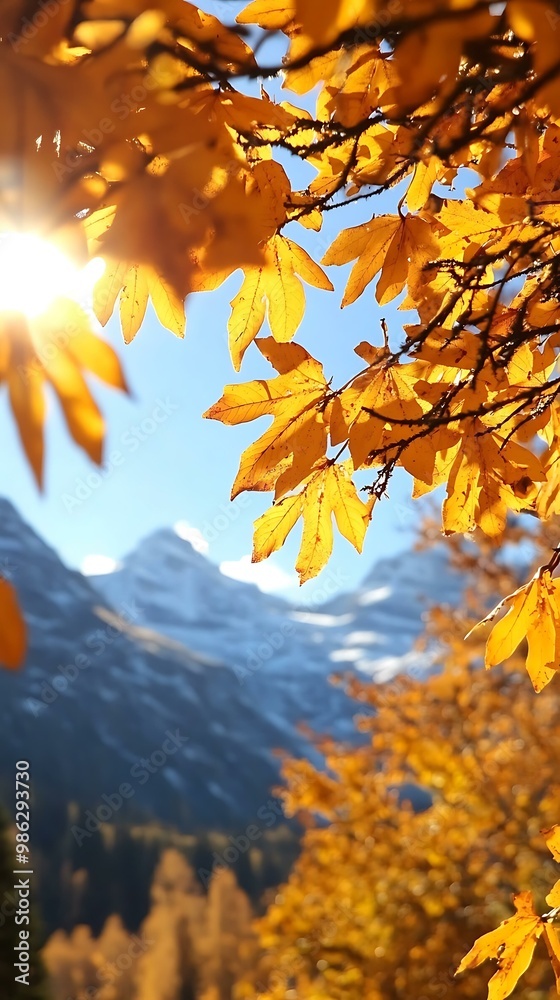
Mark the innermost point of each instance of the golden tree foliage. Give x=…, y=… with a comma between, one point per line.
x=133, y=131
x=384, y=901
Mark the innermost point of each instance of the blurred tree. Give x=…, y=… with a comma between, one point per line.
x=191, y=945
x=384, y=900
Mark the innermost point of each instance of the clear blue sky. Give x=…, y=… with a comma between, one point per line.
x=182, y=472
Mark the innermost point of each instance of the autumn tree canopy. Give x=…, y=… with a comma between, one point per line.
x=417, y=840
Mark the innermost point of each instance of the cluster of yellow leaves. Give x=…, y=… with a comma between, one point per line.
x=163, y=165
x=384, y=897
x=388, y=414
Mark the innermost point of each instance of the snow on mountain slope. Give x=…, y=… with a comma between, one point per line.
x=181, y=594
x=385, y=614
x=167, y=643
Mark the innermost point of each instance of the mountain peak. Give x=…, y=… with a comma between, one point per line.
x=179, y=541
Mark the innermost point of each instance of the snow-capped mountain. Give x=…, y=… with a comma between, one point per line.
x=179, y=593
x=167, y=646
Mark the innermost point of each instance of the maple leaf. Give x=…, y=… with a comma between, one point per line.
x=481, y=483
x=328, y=491
x=550, y=937
x=427, y=60
x=391, y=244
x=273, y=288
x=512, y=944
x=365, y=411
x=298, y=435
x=13, y=633
x=552, y=840
x=319, y=25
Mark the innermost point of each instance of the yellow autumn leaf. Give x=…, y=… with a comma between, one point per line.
x=392, y=244
x=553, y=897
x=328, y=491
x=550, y=937
x=552, y=840
x=269, y=14
x=320, y=24
x=298, y=435
x=134, y=285
x=482, y=480
x=533, y=614
x=274, y=526
x=57, y=348
x=317, y=535
x=369, y=243
x=512, y=945
x=273, y=289
x=423, y=180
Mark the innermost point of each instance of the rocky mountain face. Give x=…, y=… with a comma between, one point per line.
x=181, y=684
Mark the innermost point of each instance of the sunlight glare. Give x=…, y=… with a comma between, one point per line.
x=34, y=273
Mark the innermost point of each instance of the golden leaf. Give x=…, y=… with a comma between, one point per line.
x=56, y=347
x=389, y=243
x=533, y=614
x=512, y=944
x=328, y=491
x=299, y=432
x=274, y=288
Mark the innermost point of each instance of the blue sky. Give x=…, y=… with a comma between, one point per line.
x=173, y=467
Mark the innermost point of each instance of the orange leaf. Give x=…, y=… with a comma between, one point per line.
x=512, y=944
x=13, y=633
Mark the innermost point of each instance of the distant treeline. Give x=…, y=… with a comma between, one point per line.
x=86, y=879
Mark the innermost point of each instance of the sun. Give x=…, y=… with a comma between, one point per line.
x=34, y=273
